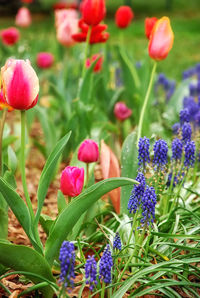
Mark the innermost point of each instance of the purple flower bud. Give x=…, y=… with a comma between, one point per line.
x=105, y=266
x=91, y=272
x=67, y=263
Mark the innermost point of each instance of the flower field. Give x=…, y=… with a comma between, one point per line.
x=99, y=150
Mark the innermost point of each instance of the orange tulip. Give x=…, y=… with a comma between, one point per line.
x=161, y=39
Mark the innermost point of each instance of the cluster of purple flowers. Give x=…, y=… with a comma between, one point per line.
x=177, y=149
x=105, y=266
x=189, y=154
x=190, y=72
x=137, y=194
x=91, y=272
x=148, y=206
x=117, y=242
x=67, y=263
x=160, y=154
x=186, y=132
x=167, y=86
x=143, y=197
x=143, y=152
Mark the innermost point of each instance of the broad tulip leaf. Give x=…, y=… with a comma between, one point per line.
x=48, y=173
x=19, y=208
x=17, y=205
x=22, y=258
x=71, y=214
x=129, y=167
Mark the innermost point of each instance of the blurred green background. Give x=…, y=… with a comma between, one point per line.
x=184, y=15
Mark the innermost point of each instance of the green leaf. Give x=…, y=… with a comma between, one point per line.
x=48, y=173
x=85, y=89
x=70, y=215
x=48, y=128
x=18, y=207
x=129, y=167
x=61, y=202
x=18, y=257
x=46, y=223
x=12, y=159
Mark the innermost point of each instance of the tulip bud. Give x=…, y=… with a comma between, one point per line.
x=123, y=16
x=44, y=60
x=93, y=11
x=20, y=84
x=23, y=17
x=98, y=64
x=161, y=39
x=72, y=180
x=88, y=151
x=149, y=24
x=121, y=111
x=10, y=36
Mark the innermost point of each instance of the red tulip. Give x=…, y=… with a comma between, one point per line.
x=44, y=60
x=98, y=64
x=62, y=5
x=27, y=1
x=10, y=36
x=97, y=34
x=161, y=39
x=20, y=84
x=93, y=11
x=149, y=24
x=121, y=111
x=123, y=16
x=88, y=151
x=23, y=17
x=72, y=180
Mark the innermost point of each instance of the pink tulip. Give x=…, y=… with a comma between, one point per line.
x=23, y=17
x=20, y=84
x=121, y=111
x=66, y=21
x=62, y=14
x=88, y=151
x=98, y=64
x=72, y=180
x=44, y=60
x=10, y=36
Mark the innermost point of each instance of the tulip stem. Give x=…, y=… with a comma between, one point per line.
x=145, y=102
x=1, y=139
x=86, y=50
x=23, y=164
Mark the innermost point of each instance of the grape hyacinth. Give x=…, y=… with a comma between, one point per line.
x=148, y=206
x=176, y=128
x=117, y=242
x=91, y=272
x=105, y=265
x=184, y=116
x=186, y=133
x=137, y=193
x=160, y=154
x=189, y=154
x=190, y=104
x=143, y=152
x=177, y=148
x=67, y=263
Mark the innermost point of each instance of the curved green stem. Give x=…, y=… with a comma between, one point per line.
x=1, y=139
x=23, y=165
x=145, y=102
